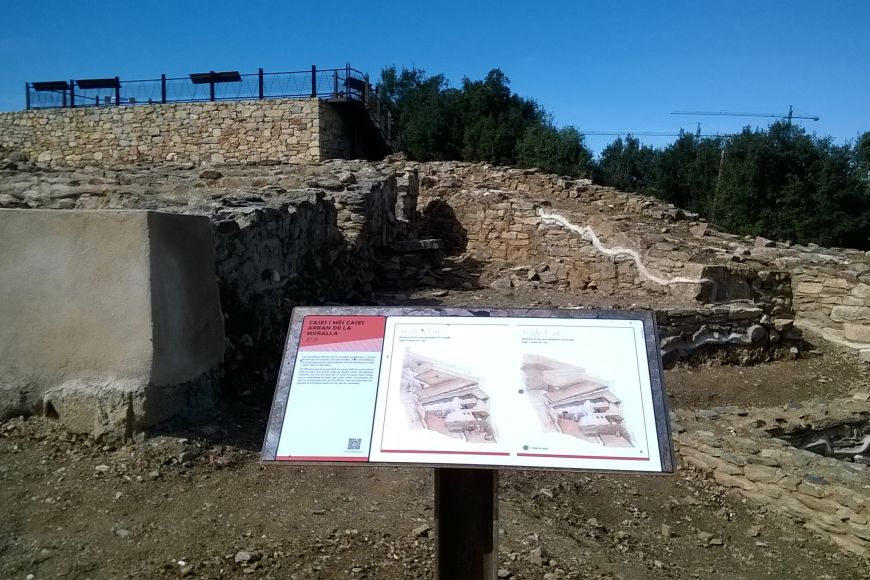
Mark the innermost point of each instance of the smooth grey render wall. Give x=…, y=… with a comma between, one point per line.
x=109, y=320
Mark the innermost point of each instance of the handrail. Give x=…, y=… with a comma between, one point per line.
x=334, y=83
x=340, y=84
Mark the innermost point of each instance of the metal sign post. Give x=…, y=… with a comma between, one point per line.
x=466, y=523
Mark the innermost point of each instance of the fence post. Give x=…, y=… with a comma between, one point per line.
x=163, y=88
x=211, y=85
x=335, y=84
x=260, y=81
x=117, y=91
x=72, y=94
x=27, y=96
x=366, y=91
x=313, y=80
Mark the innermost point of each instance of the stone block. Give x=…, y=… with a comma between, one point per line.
x=850, y=313
x=809, y=287
x=733, y=481
x=112, y=319
x=814, y=503
x=700, y=230
x=837, y=283
x=857, y=332
x=762, y=473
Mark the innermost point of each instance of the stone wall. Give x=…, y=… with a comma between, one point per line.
x=735, y=447
x=729, y=311
x=734, y=333
x=835, y=302
x=299, y=247
x=280, y=130
x=284, y=234
x=590, y=237
x=595, y=237
x=333, y=231
x=585, y=237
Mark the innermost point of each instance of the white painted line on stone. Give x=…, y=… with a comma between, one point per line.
x=588, y=234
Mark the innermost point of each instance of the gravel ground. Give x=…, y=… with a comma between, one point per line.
x=200, y=505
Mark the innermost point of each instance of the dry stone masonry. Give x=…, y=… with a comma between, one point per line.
x=715, y=293
x=750, y=451
x=598, y=241
x=281, y=130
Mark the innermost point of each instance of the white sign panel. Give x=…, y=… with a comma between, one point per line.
x=514, y=389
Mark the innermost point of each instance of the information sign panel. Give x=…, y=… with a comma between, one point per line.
x=522, y=388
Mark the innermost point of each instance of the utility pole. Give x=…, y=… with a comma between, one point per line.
x=718, y=179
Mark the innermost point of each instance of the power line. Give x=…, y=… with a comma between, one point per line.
x=788, y=116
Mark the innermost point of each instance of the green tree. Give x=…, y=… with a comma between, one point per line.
x=862, y=157
x=494, y=119
x=626, y=165
x=686, y=172
x=481, y=121
x=561, y=151
x=777, y=182
x=425, y=111
x=783, y=183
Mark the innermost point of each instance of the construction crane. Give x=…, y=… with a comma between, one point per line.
x=648, y=133
x=789, y=116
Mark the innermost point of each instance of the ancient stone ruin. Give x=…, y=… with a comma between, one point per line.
x=146, y=257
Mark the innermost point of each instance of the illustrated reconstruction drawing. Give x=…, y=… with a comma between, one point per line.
x=571, y=401
x=440, y=398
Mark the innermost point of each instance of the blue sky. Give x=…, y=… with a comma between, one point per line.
x=600, y=66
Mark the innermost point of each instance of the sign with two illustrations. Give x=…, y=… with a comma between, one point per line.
x=531, y=388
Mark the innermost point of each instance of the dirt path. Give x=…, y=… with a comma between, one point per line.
x=74, y=510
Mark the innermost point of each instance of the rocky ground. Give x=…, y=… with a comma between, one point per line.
x=195, y=502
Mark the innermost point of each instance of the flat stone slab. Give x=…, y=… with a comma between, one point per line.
x=417, y=245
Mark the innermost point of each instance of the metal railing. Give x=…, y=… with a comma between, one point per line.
x=338, y=83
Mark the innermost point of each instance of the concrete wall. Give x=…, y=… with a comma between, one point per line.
x=284, y=130
x=66, y=300
x=187, y=325
x=111, y=319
